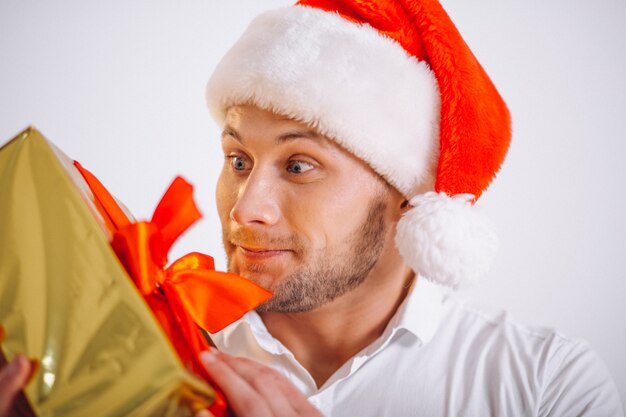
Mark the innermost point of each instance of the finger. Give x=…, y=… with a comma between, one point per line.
x=13, y=377
x=244, y=399
x=203, y=413
x=273, y=386
x=266, y=381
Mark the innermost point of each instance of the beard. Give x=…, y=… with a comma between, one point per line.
x=328, y=276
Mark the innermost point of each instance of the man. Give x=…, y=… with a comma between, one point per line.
x=304, y=218
x=356, y=137
x=340, y=119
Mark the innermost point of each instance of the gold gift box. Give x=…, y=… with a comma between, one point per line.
x=66, y=300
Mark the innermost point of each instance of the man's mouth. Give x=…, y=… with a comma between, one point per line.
x=257, y=253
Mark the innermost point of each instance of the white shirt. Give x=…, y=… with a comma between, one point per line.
x=440, y=357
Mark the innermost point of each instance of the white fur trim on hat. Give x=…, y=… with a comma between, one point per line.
x=347, y=80
x=445, y=239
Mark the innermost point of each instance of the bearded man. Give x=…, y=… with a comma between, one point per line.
x=357, y=135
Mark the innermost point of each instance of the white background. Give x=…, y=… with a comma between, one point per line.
x=119, y=86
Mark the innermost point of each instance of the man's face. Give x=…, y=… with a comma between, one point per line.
x=300, y=216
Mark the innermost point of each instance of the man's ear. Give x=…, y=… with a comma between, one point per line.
x=401, y=208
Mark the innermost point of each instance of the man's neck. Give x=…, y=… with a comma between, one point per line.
x=322, y=340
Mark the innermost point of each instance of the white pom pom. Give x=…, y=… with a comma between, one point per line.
x=445, y=239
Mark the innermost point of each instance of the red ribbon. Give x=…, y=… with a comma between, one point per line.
x=187, y=296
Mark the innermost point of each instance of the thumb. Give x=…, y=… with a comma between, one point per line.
x=13, y=377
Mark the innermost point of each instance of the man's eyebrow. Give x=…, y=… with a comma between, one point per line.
x=229, y=131
x=297, y=134
x=285, y=137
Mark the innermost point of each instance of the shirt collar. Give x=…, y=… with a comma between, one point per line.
x=251, y=323
x=421, y=311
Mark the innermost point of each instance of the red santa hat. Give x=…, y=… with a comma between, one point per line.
x=393, y=82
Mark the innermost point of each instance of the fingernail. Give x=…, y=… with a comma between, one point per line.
x=208, y=356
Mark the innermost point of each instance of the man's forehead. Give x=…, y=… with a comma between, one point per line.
x=237, y=112
x=245, y=120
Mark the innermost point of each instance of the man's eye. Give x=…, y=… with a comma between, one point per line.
x=238, y=163
x=299, y=167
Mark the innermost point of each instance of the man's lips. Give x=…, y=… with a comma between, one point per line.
x=261, y=253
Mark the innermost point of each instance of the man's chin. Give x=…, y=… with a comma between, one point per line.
x=264, y=274
x=264, y=279
x=279, y=304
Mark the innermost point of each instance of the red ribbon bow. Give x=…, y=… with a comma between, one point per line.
x=187, y=296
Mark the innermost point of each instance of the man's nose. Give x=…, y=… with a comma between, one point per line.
x=257, y=200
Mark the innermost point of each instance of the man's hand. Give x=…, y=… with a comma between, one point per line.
x=13, y=377
x=254, y=390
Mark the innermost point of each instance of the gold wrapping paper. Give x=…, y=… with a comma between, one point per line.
x=66, y=300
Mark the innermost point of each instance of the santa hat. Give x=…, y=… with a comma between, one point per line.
x=393, y=82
